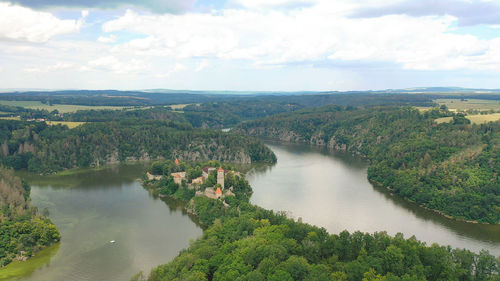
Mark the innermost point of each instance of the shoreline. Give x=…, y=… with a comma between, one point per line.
x=373, y=183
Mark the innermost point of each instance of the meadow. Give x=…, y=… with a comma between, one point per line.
x=62, y=108
x=70, y=125
x=468, y=104
x=483, y=118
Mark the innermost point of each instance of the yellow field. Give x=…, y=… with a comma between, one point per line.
x=10, y=118
x=443, y=120
x=479, y=119
x=62, y=108
x=456, y=104
x=70, y=125
x=474, y=119
x=178, y=106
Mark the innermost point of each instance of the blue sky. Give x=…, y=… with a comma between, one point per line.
x=268, y=45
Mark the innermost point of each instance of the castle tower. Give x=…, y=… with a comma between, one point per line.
x=220, y=177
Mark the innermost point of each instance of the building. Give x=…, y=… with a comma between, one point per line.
x=198, y=180
x=220, y=177
x=218, y=193
x=152, y=177
x=178, y=177
x=206, y=172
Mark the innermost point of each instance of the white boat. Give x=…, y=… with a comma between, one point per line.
x=112, y=241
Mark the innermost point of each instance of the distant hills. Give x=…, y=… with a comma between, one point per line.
x=150, y=97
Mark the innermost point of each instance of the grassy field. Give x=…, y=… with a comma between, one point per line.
x=474, y=119
x=479, y=119
x=177, y=106
x=443, y=120
x=10, y=118
x=19, y=269
x=62, y=108
x=70, y=125
x=461, y=105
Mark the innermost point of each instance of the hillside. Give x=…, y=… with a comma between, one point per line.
x=22, y=230
x=452, y=167
x=41, y=148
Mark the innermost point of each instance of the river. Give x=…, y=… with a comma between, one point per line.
x=92, y=208
x=331, y=190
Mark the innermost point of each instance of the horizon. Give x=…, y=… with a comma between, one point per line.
x=431, y=89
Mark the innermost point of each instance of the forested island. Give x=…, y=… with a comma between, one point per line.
x=23, y=230
x=242, y=241
x=450, y=167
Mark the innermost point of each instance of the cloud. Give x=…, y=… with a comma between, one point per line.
x=22, y=24
x=107, y=39
x=156, y=6
x=467, y=12
x=45, y=69
x=111, y=63
x=203, y=64
x=317, y=34
x=177, y=67
x=272, y=4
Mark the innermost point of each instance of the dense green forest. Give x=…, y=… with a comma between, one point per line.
x=41, y=148
x=244, y=242
x=165, y=97
x=450, y=167
x=23, y=230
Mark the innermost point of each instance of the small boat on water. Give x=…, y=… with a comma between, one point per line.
x=112, y=241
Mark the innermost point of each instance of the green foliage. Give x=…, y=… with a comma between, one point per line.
x=255, y=244
x=450, y=167
x=22, y=230
x=44, y=149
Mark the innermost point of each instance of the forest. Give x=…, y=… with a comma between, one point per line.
x=42, y=148
x=23, y=230
x=244, y=242
x=453, y=168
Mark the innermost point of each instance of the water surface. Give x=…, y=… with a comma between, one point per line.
x=332, y=191
x=91, y=208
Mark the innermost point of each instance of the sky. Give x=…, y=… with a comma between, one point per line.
x=249, y=45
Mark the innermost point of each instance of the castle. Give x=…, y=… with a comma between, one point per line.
x=217, y=192
x=220, y=177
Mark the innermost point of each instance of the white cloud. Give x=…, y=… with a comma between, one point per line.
x=50, y=68
x=107, y=39
x=271, y=37
x=203, y=64
x=177, y=67
x=23, y=24
x=259, y=4
x=111, y=63
x=323, y=32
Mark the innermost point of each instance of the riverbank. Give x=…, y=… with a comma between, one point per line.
x=379, y=185
x=23, y=229
x=450, y=167
x=250, y=243
x=371, y=180
x=94, y=207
